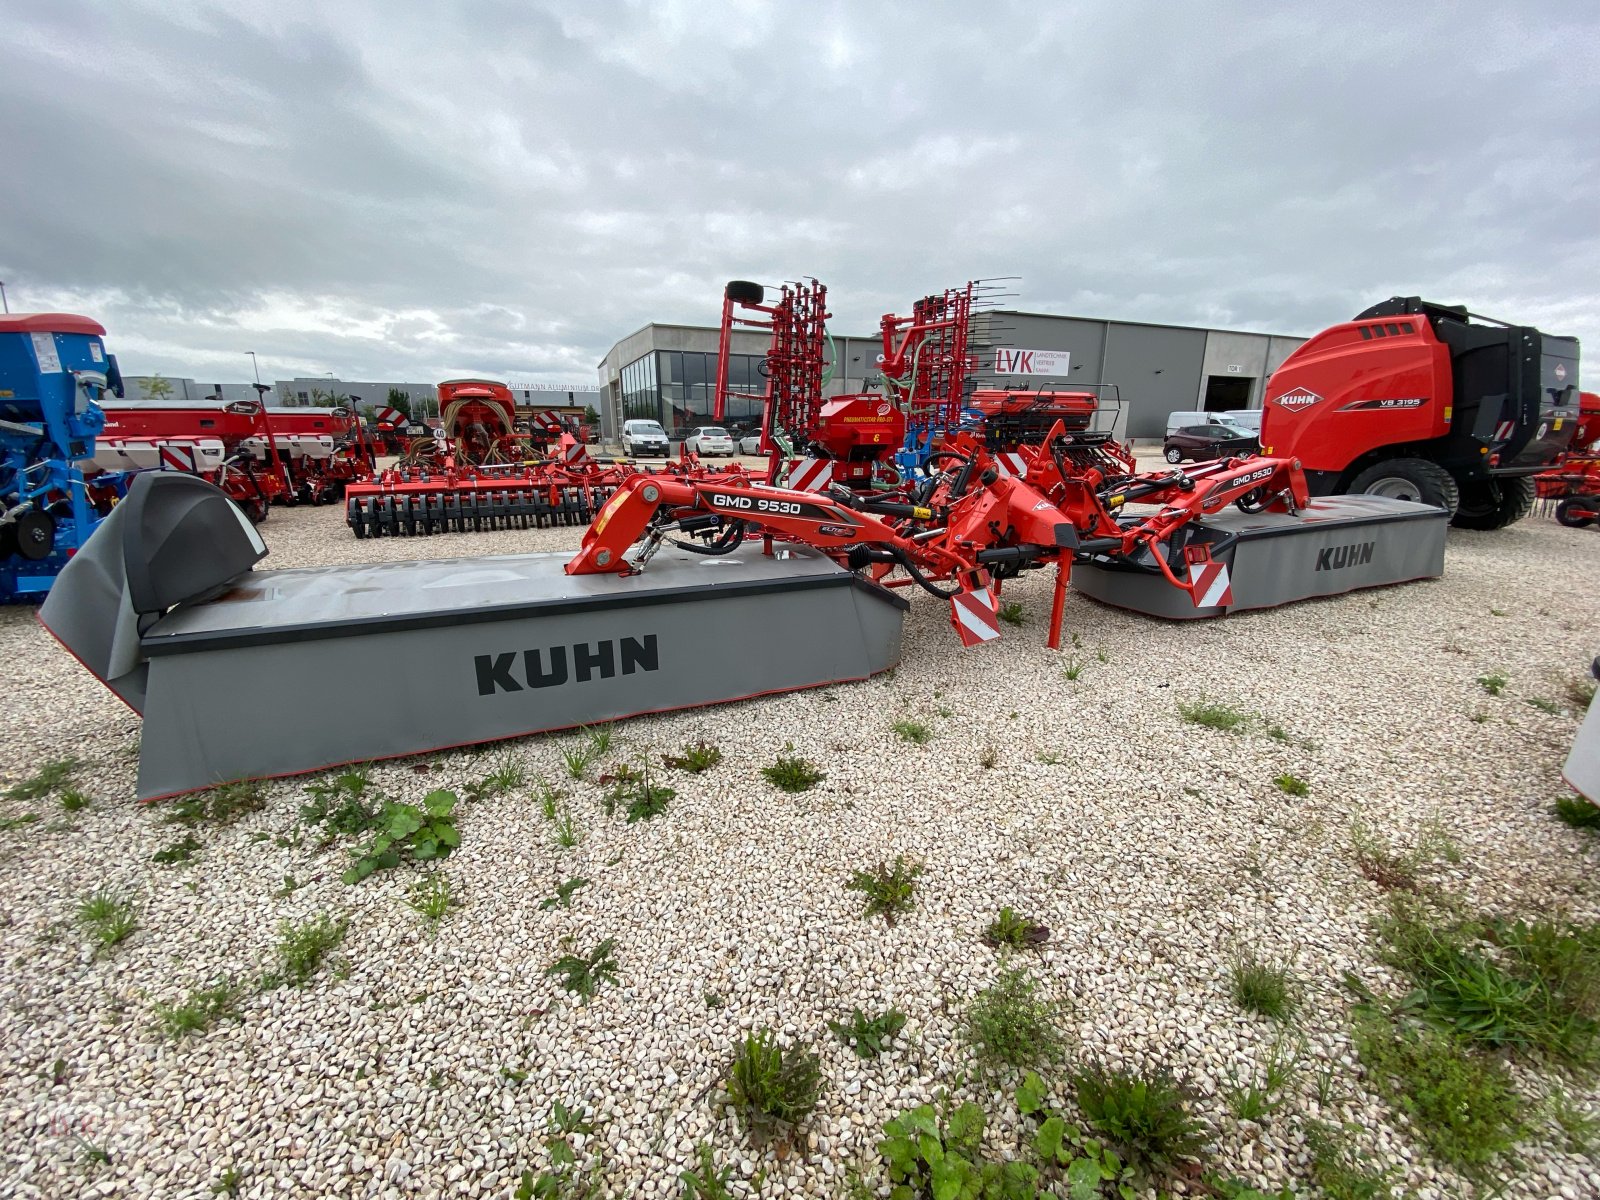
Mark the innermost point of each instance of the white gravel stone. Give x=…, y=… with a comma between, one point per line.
x=1151, y=848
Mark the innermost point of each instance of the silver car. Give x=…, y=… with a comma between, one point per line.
x=706, y=440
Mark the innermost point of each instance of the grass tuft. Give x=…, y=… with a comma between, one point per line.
x=109, y=918
x=179, y=853
x=1341, y=1170
x=1262, y=987
x=73, y=800
x=915, y=732
x=769, y=1085
x=430, y=898
x=43, y=781
x=578, y=759
x=889, y=890
x=200, y=1010
x=1210, y=715
x=1011, y=612
x=1493, y=683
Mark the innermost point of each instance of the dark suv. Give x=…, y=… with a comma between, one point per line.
x=1201, y=442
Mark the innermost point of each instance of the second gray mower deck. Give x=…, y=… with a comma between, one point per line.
x=295, y=670
x=1337, y=544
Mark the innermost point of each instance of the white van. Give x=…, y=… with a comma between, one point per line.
x=644, y=437
x=1244, y=418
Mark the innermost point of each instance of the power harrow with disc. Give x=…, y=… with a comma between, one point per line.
x=482, y=473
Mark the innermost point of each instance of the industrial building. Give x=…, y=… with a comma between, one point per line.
x=667, y=372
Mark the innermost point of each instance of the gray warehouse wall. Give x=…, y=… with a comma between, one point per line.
x=1153, y=367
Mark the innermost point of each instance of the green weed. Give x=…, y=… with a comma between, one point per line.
x=584, y=973
x=222, y=805
x=422, y=834
x=43, y=781
x=302, y=947
x=643, y=798
x=706, y=1181
x=1211, y=715
x=1009, y=929
x=180, y=852
x=508, y=775
x=889, y=890
x=548, y=798
x=915, y=732
x=934, y=1154
x=1552, y=707
x=1379, y=863
x=1462, y=1105
x=73, y=800
x=1011, y=612
x=200, y=1010
x=1145, y=1116
x=563, y=896
x=988, y=758
x=1259, y=1098
x=869, y=1036
x=9, y=823
x=769, y=1085
x=1292, y=785
x=1579, y=1130
x=1009, y=1024
x=791, y=773
x=600, y=740
x=1341, y=1170
x=1494, y=683
x=339, y=805
x=696, y=758
x=1580, y=692
x=1577, y=812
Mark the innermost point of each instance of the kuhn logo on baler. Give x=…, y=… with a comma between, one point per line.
x=1297, y=400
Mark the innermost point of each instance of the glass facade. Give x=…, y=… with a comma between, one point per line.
x=676, y=387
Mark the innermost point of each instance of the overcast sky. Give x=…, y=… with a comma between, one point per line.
x=406, y=190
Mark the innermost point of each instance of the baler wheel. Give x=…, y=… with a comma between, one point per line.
x=1574, y=512
x=1494, y=504
x=1414, y=479
x=745, y=292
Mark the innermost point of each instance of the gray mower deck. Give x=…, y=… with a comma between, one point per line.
x=296, y=670
x=1338, y=544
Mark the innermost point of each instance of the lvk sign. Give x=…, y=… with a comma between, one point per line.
x=1031, y=362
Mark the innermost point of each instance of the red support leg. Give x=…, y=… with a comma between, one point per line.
x=1058, y=603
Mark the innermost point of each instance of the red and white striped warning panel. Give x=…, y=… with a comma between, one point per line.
x=177, y=456
x=391, y=416
x=547, y=421
x=975, y=616
x=572, y=450
x=1011, y=464
x=1210, y=584
x=1504, y=430
x=810, y=475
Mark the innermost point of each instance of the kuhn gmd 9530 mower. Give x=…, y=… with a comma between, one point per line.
x=165, y=600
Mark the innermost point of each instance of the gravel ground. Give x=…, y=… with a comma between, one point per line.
x=1152, y=849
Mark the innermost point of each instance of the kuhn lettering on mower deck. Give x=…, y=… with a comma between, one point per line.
x=1337, y=558
x=548, y=667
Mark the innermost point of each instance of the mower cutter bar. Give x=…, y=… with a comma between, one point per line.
x=474, y=510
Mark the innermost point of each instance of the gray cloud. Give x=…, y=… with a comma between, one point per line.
x=423, y=190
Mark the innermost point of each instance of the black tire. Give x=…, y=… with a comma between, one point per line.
x=1494, y=503
x=745, y=292
x=1564, y=511
x=36, y=535
x=1414, y=479
x=1174, y=455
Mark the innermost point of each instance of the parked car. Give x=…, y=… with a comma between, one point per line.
x=644, y=437
x=750, y=443
x=706, y=440
x=1202, y=442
